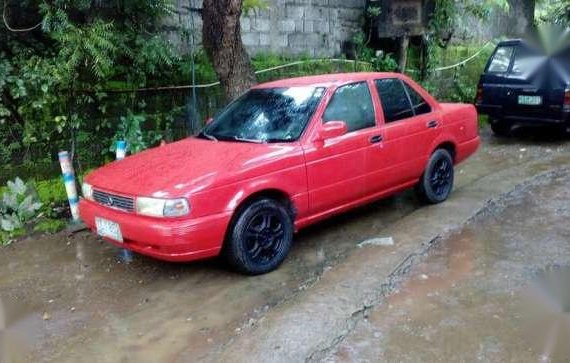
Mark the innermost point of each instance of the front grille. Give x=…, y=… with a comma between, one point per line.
x=114, y=201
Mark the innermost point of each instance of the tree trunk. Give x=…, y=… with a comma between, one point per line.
x=221, y=35
x=519, y=21
x=403, y=53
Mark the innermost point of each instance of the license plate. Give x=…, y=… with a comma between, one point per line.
x=530, y=100
x=109, y=229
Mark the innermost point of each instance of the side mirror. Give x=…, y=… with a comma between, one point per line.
x=331, y=130
x=209, y=120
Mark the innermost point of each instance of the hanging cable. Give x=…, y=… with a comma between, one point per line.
x=14, y=29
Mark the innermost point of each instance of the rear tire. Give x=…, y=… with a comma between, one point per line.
x=437, y=181
x=501, y=128
x=260, y=237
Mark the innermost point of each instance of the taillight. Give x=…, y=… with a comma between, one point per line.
x=479, y=98
x=567, y=98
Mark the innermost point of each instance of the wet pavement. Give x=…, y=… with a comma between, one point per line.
x=71, y=297
x=498, y=290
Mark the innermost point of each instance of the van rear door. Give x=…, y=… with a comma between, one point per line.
x=521, y=82
x=533, y=87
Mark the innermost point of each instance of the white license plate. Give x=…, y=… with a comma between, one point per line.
x=109, y=229
x=530, y=100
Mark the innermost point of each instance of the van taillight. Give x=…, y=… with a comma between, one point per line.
x=479, y=98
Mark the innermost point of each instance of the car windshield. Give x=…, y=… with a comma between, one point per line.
x=265, y=115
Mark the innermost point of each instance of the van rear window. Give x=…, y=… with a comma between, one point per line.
x=526, y=60
x=501, y=60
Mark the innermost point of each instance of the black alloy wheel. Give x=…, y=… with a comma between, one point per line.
x=436, y=183
x=260, y=237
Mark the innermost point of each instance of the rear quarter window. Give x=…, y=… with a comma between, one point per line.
x=501, y=60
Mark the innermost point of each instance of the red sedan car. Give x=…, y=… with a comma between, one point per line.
x=284, y=155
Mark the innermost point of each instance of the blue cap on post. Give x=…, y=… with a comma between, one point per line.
x=121, y=149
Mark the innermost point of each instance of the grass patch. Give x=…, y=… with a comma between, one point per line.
x=7, y=238
x=50, y=225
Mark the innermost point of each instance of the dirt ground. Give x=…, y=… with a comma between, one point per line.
x=498, y=290
x=455, y=267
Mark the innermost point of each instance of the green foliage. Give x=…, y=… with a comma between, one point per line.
x=254, y=4
x=49, y=225
x=373, y=11
x=380, y=62
x=446, y=19
x=456, y=84
x=19, y=205
x=88, y=50
x=131, y=130
x=51, y=191
x=7, y=238
x=554, y=12
x=51, y=80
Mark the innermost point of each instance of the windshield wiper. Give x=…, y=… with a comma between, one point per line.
x=243, y=139
x=207, y=136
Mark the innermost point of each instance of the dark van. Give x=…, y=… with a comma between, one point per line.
x=523, y=86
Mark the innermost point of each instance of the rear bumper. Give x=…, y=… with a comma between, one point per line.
x=178, y=240
x=497, y=112
x=466, y=149
x=536, y=121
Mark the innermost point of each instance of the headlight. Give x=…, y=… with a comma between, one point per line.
x=176, y=207
x=155, y=207
x=87, y=191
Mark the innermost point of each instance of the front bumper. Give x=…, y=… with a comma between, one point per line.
x=178, y=240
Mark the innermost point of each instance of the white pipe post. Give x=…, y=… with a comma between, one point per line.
x=70, y=186
x=121, y=152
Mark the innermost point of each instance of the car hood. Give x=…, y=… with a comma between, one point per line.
x=190, y=166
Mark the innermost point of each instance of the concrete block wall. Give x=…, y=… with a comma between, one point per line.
x=317, y=28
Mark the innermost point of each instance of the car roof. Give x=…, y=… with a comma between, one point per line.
x=327, y=80
x=511, y=42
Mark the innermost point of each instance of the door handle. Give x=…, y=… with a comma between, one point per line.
x=432, y=124
x=376, y=139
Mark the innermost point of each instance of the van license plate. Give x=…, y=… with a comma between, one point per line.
x=530, y=100
x=109, y=229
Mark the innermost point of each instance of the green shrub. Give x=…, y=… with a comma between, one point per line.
x=19, y=205
x=51, y=191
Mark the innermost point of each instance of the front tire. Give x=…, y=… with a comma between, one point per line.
x=260, y=237
x=437, y=181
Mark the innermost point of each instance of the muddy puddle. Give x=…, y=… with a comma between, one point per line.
x=499, y=290
x=74, y=297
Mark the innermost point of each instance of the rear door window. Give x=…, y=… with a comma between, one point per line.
x=419, y=105
x=395, y=102
x=501, y=60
